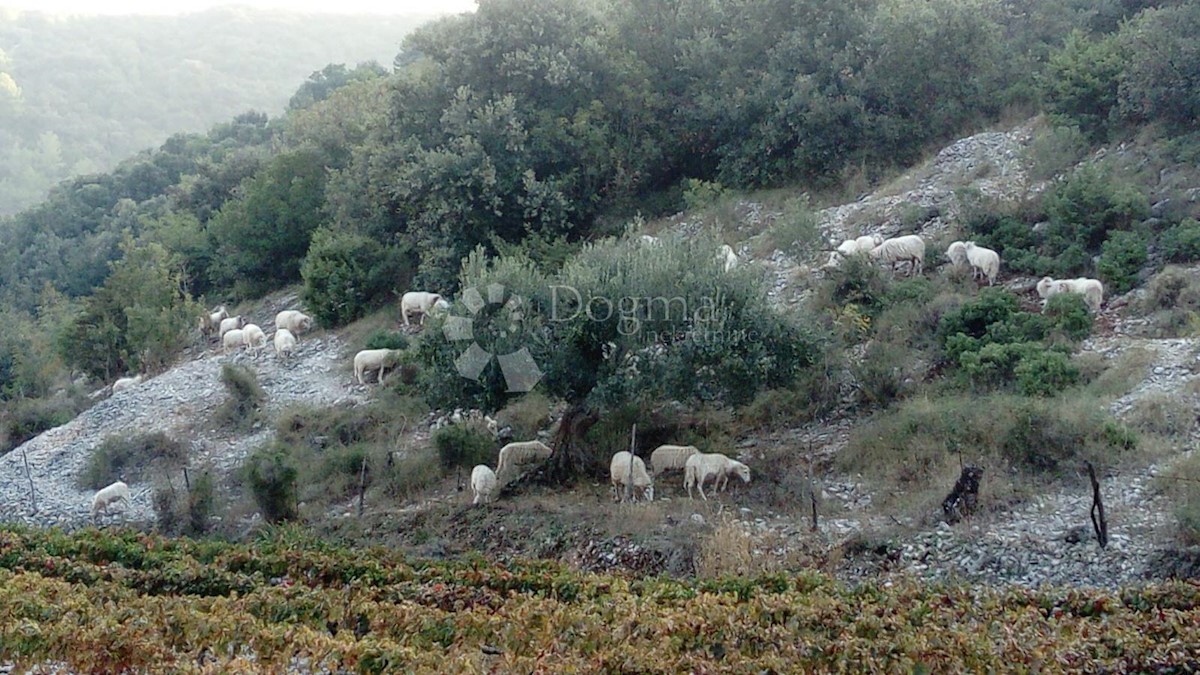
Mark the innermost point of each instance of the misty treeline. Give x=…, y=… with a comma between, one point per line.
x=531, y=126
x=79, y=94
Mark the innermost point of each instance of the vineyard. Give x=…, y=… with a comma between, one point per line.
x=108, y=602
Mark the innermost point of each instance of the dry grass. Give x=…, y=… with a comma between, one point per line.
x=731, y=549
x=1168, y=415
x=1118, y=376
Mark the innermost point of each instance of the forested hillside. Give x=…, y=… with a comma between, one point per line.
x=80, y=93
x=514, y=148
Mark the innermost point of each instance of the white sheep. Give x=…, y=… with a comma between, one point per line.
x=957, y=253
x=727, y=257
x=909, y=248
x=285, y=342
x=126, y=383
x=985, y=263
x=230, y=323
x=255, y=338
x=293, y=320
x=862, y=244
x=107, y=496
x=835, y=261
x=649, y=240
x=1091, y=290
x=232, y=340
x=521, y=452
x=671, y=457
x=619, y=470
x=374, y=359
x=483, y=484
x=210, y=320
x=420, y=302
x=702, y=466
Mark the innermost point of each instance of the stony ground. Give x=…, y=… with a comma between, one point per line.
x=179, y=402
x=1046, y=540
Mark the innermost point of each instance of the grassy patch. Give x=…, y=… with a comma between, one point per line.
x=1180, y=483
x=243, y=405
x=913, y=451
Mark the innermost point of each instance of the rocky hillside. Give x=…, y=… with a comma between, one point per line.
x=179, y=402
x=1044, y=540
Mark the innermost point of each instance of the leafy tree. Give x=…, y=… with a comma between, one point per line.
x=138, y=320
x=1081, y=80
x=1161, y=79
x=262, y=236
x=347, y=274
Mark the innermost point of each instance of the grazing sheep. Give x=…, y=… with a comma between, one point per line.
x=254, y=338
x=909, y=248
x=521, y=452
x=294, y=320
x=232, y=340
x=492, y=425
x=106, y=497
x=618, y=469
x=420, y=302
x=727, y=257
x=1091, y=290
x=483, y=484
x=285, y=342
x=671, y=457
x=210, y=320
x=702, y=466
x=957, y=253
x=862, y=244
x=649, y=240
x=374, y=359
x=985, y=263
x=835, y=261
x=126, y=383
x=230, y=323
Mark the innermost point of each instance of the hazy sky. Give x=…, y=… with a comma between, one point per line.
x=181, y=6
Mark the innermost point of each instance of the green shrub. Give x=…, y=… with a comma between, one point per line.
x=271, y=476
x=245, y=397
x=994, y=365
x=191, y=516
x=1045, y=373
x=23, y=418
x=129, y=459
x=462, y=446
x=1181, y=243
x=383, y=339
x=856, y=281
x=886, y=373
x=1172, y=300
x=1067, y=314
x=1123, y=254
x=1085, y=206
x=795, y=232
x=701, y=194
x=974, y=318
x=816, y=393
x=1055, y=149
x=346, y=275
x=1080, y=82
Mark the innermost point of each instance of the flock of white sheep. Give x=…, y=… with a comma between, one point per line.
x=984, y=263
x=625, y=469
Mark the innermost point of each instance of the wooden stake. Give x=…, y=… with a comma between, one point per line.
x=29, y=475
x=362, y=485
x=632, y=454
x=812, y=491
x=1099, y=522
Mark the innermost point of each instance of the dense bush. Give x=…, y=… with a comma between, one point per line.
x=23, y=418
x=384, y=339
x=191, y=515
x=1081, y=81
x=245, y=397
x=1181, y=243
x=346, y=275
x=130, y=458
x=462, y=446
x=271, y=476
x=1045, y=373
x=1121, y=257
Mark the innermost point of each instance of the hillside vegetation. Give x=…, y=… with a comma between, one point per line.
x=79, y=94
x=513, y=160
